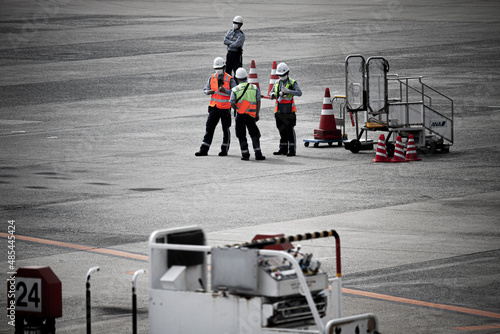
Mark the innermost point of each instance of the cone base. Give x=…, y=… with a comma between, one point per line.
x=328, y=134
x=379, y=160
x=393, y=160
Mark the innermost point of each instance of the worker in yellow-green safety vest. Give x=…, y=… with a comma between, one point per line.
x=284, y=91
x=219, y=88
x=245, y=100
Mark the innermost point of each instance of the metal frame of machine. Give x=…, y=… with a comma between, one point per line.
x=390, y=103
x=252, y=290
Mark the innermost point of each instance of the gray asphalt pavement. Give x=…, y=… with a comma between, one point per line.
x=102, y=110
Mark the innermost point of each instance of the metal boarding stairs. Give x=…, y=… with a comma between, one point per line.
x=404, y=105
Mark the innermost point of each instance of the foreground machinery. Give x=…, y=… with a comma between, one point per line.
x=247, y=289
x=388, y=102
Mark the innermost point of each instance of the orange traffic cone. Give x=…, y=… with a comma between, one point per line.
x=399, y=152
x=273, y=79
x=381, y=155
x=411, y=150
x=327, y=126
x=252, y=76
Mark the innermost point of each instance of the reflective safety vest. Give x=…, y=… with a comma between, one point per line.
x=285, y=99
x=248, y=102
x=218, y=99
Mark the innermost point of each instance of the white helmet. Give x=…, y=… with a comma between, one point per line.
x=219, y=62
x=282, y=69
x=238, y=20
x=241, y=73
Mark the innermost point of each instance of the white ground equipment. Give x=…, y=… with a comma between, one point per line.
x=252, y=290
x=403, y=105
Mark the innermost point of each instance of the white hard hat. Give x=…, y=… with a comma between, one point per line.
x=241, y=73
x=282, y=69
x=219, y=62
x=238, y=20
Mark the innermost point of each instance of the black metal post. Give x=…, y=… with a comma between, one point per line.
x=88, y=307
x=91, y=270
x=134, y=311
x=134, y=300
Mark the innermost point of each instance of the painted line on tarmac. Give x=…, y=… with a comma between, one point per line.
x=374, y=295
x=79, y=247
x=476, y=328
x=421, y=303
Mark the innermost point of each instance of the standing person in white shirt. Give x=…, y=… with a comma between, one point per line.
x=234, y=40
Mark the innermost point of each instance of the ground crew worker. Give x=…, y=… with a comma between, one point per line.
x=245, y=100
x=234, y=43
x=284, y=111
x=219, y=87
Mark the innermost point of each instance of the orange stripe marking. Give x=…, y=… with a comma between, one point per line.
x=475, y=328
x=422, y=303
x=133, y=272
x=79, y=247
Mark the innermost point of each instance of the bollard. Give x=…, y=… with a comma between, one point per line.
x=91, y=270
x=134, y=300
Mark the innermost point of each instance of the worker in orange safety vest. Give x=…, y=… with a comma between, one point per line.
x=219, y=88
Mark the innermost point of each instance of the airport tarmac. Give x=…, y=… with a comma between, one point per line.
x=102, y=109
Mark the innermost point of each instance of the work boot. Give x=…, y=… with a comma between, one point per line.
x=259, y=156
x=222, y=154
x=282, y=151
x=245, y=156
x=201, y=153
x=291, y=153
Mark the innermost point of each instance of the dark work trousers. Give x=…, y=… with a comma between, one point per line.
x=244, y=121
x=285, y=124
x=234, y=60
x=214, y=115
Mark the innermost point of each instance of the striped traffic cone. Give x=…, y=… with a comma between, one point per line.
x=273, y=79
x=411, y=150
x=399, y=151
x=252, y=76
x=381, y=155
x=327, y=126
